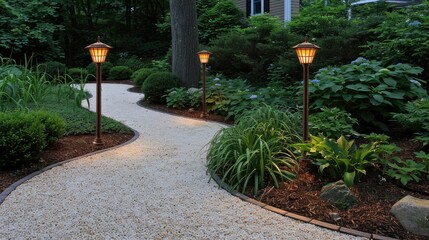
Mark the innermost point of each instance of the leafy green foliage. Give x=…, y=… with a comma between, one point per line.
x=405, y=171
x=105, y=69
x=367, y=90
x=415, y=116
x=27, y=26
x=220, y=18
x=402, y=37
x=133, y=62
x=120, y=73
x=341, y=158
x=77, y=73
x=248, y=52
x=139, y=76
x=182, y=98
x=332, y=123
x=255, y=149
x=156, y=85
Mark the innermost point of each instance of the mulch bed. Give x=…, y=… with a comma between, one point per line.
x=65, y=148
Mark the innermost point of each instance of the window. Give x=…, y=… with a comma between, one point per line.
x=256, y=7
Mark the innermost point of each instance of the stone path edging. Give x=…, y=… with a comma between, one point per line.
x=282, y=212
x=14, y=185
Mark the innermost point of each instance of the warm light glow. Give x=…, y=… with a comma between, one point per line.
x=98, y=51
x=306, y=52
x=98, y=54
x=204, y=56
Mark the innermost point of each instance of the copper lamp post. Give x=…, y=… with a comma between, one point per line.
x=98, y=53
x=306, y=52
x=204, y=59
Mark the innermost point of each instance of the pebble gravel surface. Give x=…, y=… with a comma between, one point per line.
x=154, y=188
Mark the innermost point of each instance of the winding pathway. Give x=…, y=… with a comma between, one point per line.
x=153, y=188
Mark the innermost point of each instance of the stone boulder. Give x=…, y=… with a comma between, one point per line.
x=413, y=214
x=338, y=194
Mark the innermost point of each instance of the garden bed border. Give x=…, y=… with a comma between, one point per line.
x=14, y=185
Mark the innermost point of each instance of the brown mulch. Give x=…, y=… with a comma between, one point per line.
x=65, y=148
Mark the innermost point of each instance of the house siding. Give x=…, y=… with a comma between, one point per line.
x=276, y=7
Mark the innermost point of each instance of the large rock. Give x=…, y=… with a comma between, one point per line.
x=413, y=214
x=338, y=194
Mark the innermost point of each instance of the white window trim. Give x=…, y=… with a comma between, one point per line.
x=288, y=10
x=252, y=9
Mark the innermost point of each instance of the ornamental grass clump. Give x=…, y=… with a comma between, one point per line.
x=255, y=150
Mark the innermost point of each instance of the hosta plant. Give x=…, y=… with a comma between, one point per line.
x=340, y=159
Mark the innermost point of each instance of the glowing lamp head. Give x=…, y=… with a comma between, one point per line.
x=306, y=52
x=98, y=51
x=204, y=56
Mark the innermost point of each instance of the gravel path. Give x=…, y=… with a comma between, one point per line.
x=153, y=188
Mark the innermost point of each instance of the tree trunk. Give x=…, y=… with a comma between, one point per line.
x=184, y=33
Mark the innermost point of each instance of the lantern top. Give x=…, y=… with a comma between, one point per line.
x=204, y=52
x=306, y=44
x=98, y=44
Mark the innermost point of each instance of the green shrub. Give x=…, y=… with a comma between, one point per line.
x=332, y=123
x=182, y=98
x=55, y=126
x=405, y=171
x=77, y=73
x=140, y=75
x=367, y=90
x=341, y=159
x=132, y=62
x=156, y=85
x=415, y=116
x=120, y=73
x=255, y=149
x=21, y=139
x=106, y=66
x=54, y=70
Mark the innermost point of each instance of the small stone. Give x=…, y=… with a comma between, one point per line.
x=335, y=216
x=413, y=214
x=338, y=194
x=191, y=110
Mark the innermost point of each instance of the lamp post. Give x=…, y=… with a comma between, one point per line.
x=204, y=59
x=306, y=52
x=98, y=53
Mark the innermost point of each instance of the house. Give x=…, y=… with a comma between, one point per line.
x=284, y=9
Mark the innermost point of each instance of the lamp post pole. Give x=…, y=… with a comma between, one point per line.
x=98, y=140
x=204, y=111
x=305, y=52
x=98, y=53
x=305, y=101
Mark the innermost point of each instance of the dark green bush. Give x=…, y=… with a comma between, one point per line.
x=120, y=73
x=156, y=85
x=55, y=126
x=140, y=75
x=21, y=139
x=332, y=123
x=53, y=70
x=77, y=73
x=105, y=69
x=133, y=62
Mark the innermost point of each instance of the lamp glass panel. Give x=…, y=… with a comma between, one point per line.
x=204, y=57
x=98, y=54
x=306, y=55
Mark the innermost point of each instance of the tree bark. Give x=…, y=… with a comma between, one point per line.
x=184, y=33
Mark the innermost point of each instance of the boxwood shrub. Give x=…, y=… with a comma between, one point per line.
x=55, y=126
x=21, y=139
x=77, y=73
x=139, y=76
x=156, y=85
x=120, y=73
x=53, y=70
